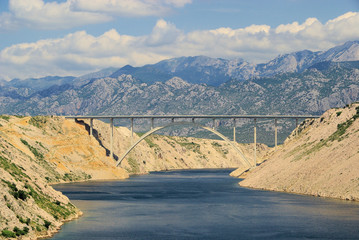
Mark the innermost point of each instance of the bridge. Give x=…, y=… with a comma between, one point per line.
x=192, y=122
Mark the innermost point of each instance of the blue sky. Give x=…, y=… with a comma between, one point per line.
x=74, y=37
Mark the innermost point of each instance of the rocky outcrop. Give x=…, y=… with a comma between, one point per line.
x=320, y=158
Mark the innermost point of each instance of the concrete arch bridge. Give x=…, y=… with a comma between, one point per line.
x=192, y=122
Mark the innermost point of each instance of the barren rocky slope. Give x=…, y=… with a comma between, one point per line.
x=37, y=151
x=322, y=160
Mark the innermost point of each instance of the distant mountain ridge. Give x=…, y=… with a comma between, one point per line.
x=216, y=71
x=296, y=83
x=204, y=70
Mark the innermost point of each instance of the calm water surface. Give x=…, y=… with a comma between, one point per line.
x=201, y=204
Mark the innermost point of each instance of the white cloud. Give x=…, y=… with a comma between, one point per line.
x=72, y=13
x=128, y=7
x=80, y=52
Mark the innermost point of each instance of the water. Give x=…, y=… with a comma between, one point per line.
x=201, y=204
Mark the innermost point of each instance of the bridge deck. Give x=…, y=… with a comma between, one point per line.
x=193, y=116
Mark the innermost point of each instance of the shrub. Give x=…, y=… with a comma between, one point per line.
x=36, y=153
x=6, y=118
x=27, y=221
x=47, y=224
x=338, y=113
x=8, y=234
x=20, y=232
x=38, y=121
x=22, y=195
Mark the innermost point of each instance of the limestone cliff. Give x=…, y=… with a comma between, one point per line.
x=320, y=158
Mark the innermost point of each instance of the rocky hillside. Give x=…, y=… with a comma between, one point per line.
x=35, y=152
x=321, y=160
x=38, y=151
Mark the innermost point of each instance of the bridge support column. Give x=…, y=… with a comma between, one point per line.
x=91, y=126
x=111, y=138
x=275, y=134
x=296, y=125
x=214, y=124
x=131, y=130
x=234, y=130
x=255, y=142
x=151, y=123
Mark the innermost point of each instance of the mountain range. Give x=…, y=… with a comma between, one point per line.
x=303, y=82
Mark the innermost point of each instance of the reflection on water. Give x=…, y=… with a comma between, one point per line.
x=201, y=204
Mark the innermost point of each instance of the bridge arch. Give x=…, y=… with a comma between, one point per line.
x=243, y=159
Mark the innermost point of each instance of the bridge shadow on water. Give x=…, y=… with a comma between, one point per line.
x=97, y=136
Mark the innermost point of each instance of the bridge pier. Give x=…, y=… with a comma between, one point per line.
x=111, y=138
x=91, y=126
x=296, y=125
x=255, y=142
x=214, y=124
x=275, y=134
x=234, y=130
x=152, y=123
x=131, y=129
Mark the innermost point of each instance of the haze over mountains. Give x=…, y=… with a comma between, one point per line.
x=303, y=82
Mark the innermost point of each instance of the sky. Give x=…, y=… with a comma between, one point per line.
x=73, y=37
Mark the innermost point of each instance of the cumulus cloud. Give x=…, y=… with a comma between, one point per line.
x=80, y=52
x=72, y=13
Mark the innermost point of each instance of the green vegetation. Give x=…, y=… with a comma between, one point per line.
x=6, y=118
x=47, y=224
x=70, y=177
x=338, y=113
x=27, y=221
x=36, y=153
x=215, y=144
x=18, y=194
x=336, y=136
x=191, y=146
x=219, y=148
x=8, y=234
x=342, y=127
x=150, y=143
x=20, y=232
x=12, y=168
x=58, y=211
x=135, y=168
x=38, y=121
